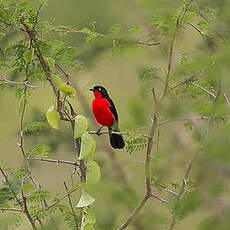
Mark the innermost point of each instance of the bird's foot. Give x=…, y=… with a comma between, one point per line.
x=98, y=132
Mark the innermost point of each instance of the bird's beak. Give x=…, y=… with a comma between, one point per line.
x=92, y=89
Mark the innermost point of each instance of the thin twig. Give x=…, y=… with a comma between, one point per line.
x=168, y=191
x=134, y=213
x=3, y=79
x=54, y=161
x=11, y=209
x=21, y=144
x=226, y=98
x=25, y=209
x=204, y=89
x=190, y=78
x=71, y=206
x=159, y=198
x=179, y=22
x=181, y=191
x=109, y=37
x=10, y=186
x=61, y=199
x=196, y=28
x=163, y=123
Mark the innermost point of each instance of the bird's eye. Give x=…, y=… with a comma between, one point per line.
x=99, y=89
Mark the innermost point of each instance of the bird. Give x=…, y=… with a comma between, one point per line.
x=105, y=114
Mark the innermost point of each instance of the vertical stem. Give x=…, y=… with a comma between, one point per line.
x=71, y=206
x=148, y=155
x=25, y=209
x=181, y=192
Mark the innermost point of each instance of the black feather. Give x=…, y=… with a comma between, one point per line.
x=116, y=141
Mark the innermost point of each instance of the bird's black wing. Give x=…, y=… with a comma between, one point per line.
x=112, y=108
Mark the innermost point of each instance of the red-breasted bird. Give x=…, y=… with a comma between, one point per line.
x=105, y=114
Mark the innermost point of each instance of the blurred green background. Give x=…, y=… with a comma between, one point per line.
x=208, y=207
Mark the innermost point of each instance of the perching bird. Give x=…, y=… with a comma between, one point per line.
x=105, y=114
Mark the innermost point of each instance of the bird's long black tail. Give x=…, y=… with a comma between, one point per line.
x=116, y=141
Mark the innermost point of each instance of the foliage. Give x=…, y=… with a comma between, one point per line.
x=191, y=89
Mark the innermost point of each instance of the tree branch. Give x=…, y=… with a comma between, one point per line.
x=25, y=209
x=163, y=123
x=54, y=161
x=107, y=132
x=179, y=22
x=204, y=89
x=17, y=83
x=181, y=191
x=11, y=209
x=190, y=78
x=226, y=98
x=196, y=28
x=61, y=199
x=148, y=192
x=110, y=37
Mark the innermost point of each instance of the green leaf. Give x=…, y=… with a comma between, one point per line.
x=81, y=126
x=92, y=37
x=57, y=81
x=116, y=49
x=39, y=151
x=2, y=34
x=86, y=31
x=22, y=173
x=38, y=196
x=114, y=30
x=28, y=55
x=52, y=117
x=50, y=61
x=68, y=90
x=29, y=187
x=135, y=143
x=148, y=74
x=85, y=200
x=93, y=172
x=34, y=126
x=88, y=146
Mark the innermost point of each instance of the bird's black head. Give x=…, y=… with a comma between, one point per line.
x=99, y=91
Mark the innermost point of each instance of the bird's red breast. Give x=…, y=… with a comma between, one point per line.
x=101, y=111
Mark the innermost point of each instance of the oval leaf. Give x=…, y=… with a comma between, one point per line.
x=57, y=81
x=52, y=117
x=85, y=200
x=93, y=172
x=68, y=90
x=88, y=146
x=81, y=126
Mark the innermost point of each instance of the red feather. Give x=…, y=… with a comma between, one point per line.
x=101, y=111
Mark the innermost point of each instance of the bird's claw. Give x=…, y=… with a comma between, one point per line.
x=98, y=132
